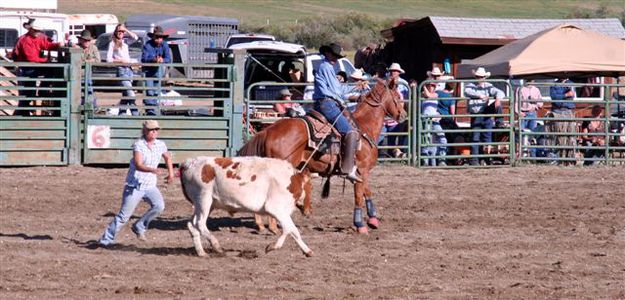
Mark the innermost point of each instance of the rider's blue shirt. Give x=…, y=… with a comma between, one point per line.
x=326, y=84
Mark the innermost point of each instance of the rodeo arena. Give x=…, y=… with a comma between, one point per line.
x=498, y=147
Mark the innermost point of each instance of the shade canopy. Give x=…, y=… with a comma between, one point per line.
x=565, y=50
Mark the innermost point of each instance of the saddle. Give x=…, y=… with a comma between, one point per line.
x=321, y=134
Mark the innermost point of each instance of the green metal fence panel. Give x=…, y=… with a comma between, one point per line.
x=34, y=120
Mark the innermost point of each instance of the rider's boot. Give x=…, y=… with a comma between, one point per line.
x=348, y=164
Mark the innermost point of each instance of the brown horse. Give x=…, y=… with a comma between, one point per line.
x=287, y=139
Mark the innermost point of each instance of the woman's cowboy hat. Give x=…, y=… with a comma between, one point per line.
x=435, y=72
x=158, y=32
x=333, y=48
x=480, y=72
x=358, y=75
x=396, y=67
x=285, y=92
x=85, y=35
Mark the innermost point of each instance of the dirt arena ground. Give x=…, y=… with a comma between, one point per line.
x=528, y=232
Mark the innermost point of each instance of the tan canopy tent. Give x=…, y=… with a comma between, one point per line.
x=564, y=49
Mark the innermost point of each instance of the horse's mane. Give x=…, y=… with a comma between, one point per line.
x=255, y=146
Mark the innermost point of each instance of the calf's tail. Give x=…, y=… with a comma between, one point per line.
x=181, y=170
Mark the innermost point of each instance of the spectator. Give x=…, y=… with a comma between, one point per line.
x=360, y=87
x=289, y=109
x=431, y=121
x=390, y=125
x=141, y=184
x=594, y=126
x=529, y=102
x=28, y=49
x=562, y=107
x=154, y=51
x=118, y=53
x=480, y=102
x=90, y=53
x=447, y=109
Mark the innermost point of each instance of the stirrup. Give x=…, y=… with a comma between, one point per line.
x=353, y=176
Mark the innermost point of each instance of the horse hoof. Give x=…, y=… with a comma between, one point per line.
x=373, y=222
x=309, y=253
x=362, y=230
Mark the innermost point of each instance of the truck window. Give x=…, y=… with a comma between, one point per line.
x=8, y=37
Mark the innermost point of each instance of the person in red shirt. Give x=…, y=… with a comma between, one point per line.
x=28, y=49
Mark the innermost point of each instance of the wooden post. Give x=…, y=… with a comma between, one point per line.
x=75, y=116
x=238, y=94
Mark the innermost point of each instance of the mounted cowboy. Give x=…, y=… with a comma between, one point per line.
x=329, y=98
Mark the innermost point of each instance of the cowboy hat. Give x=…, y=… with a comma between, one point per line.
x=396, y=67
x=285, y=92
x=34, y=25
x=332, y=48
x=85, y=35
x=158, y=32
x=151, y=124
x=435, y=72
x=27, y=24
x=358, y=75
x=480, y=72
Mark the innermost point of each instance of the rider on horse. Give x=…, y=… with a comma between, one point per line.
x=329, y=101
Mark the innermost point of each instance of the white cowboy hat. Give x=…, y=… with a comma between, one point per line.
x=435, y=72
x=480, y=72
x=357, y=75
x=36, y=25
x=396, y=67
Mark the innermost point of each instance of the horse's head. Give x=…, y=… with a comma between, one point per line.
x=390, y=99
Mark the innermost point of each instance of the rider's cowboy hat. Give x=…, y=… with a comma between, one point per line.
x=85, y=35
x=357, y=75
x=435, y=72
x=332, y=48
x=480, y=72
x=396, y=67
x=158, y=32
x=27, y=24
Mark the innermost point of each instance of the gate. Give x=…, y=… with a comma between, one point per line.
x=37, y=133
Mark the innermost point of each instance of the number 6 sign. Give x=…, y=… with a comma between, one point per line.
x=98, y=136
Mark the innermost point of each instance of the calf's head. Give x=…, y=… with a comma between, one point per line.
x=300, y=186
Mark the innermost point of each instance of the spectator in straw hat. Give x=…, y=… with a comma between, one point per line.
x=155, y=51
x=118, y=53
x=360, y=87
x=28, y=49
x=395, y=71
x=480, y=102
x=141, y=184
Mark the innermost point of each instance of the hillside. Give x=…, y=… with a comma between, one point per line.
x=274, y=12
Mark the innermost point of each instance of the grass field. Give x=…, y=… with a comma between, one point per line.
x=254, y=13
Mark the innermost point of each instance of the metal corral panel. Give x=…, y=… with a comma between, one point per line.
x=33, y=141
x=184, y=137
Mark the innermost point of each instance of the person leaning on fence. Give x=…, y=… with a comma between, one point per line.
x=529, y=102
x=431, y=121
x=154, y=51
x=480, y=96
x=118, y=53
x=594, y=125
x=141, y=184
x=358, y=89
x=90, y=53
x=390, y=125
x=329, y=100
x=287, y=108
x=562, y=109
x=28, y=49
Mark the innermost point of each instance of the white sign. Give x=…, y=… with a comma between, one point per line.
x=98, y=136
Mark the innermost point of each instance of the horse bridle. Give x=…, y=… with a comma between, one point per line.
x=379, y=102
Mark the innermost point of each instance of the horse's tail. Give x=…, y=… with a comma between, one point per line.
x=325, y=192
x=255, y=146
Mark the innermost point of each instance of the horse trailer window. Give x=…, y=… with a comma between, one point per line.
x=8, y=37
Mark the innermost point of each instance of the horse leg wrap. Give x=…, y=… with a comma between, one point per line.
x=358, y=218
x=371, y=211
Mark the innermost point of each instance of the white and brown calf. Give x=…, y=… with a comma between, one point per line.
x=243, y=184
